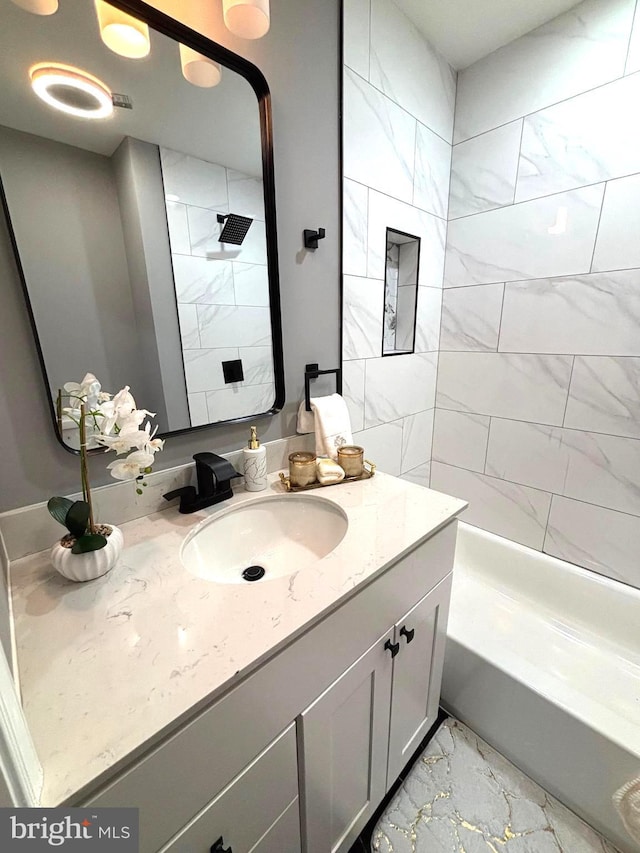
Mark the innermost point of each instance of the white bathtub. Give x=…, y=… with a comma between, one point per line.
x=543, y=662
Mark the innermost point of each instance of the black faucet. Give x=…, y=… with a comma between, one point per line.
x=214, y=475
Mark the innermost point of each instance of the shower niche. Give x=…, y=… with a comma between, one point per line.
x=400, y=292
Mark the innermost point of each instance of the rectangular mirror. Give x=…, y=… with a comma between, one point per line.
x=145, y=233
x=400, y=292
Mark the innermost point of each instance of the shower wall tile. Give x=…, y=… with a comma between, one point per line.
x=236, y=401
x=409, y=71
x=509, y=385
x=203, y=368
x=383, y=446
x=483, y=171
x=516, y=512
x=592, y=314
x=353, y=392
x=363, y=300
x=633, y=59
x=250, y=284
x=527, y=453
x=386, y=212
x=604, y=396
x=432, y=172
x=203, y=280
x=355, y=199
x=246, y=195
x=356, y=36
x=428, y=319
x=600, y=539
x=588, y=139
x=178, y=228
x=417, y=435
x=189, y=329
x=194, y=181
x=460, y=439
x=421, y=475
x=579, y=50
x=471, y=317
x=198, y=412
x=398, y=386
x=230, y=325
x=618, y=244
x=524, y=240
x=379, y=139
x=257, y=364
x=603, y=470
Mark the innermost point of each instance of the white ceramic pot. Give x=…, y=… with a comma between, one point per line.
x=93, y=564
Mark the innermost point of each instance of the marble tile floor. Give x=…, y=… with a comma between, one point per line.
x=462, y=795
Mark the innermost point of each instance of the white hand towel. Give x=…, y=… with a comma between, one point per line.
x=627, y=802
x=329, y=419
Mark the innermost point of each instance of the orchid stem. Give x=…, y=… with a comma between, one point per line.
x=84, y=468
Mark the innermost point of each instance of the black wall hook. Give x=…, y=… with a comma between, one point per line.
x=311, y=238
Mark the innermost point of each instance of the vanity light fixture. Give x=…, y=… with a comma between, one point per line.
x=248, y=19
x=71, y=90
x=38, y=7
x=122, y=33
x=198, y=69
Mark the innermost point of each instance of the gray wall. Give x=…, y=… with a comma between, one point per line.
x=66, y=217
x=299, y=58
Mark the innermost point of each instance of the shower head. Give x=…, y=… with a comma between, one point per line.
x=235, y=228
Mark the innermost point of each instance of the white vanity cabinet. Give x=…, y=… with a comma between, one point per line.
x=300, y=753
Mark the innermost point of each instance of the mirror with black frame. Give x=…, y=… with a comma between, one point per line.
x=139, y=197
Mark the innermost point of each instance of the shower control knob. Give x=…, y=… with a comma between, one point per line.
x=408, y=634
x=219, y=847
x=394, y=648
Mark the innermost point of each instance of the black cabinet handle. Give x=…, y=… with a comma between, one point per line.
x=394, y=648
x=219, y=848
x=407, y=633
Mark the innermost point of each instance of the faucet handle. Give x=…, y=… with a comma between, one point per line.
x=220, y=468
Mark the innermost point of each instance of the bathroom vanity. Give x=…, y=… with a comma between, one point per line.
x=268, y=717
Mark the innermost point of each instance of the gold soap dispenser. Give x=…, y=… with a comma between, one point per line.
x=255, y=464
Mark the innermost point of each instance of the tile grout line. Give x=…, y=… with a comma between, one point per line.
x=396, y=199
x=486, y=450
x=538, y=424
x=547, y=106
x=504, y=291
x=566, y=404
x=570, y=276
x=515, y=184
x=597, y=234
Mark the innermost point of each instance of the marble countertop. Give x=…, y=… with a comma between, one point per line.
x=108, y=666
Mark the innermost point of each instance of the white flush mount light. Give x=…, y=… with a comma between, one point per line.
x=198, y=69
x=248, y=19
x=122, y=33
x=38, y=7
x=71, y=90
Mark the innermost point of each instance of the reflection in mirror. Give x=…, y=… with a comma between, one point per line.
x=118, y=222
x=400, y=292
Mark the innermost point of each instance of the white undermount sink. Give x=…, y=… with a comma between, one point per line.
x=281, y=534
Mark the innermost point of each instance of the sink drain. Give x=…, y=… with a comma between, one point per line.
x=253, y=573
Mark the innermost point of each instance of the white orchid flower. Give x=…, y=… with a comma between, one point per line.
x=89, y=390
x=131, y=467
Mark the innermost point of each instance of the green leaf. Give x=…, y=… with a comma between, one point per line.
x=59, y=507
x=77, y=519
x=89, y=542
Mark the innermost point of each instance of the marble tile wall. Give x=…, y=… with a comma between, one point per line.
x=399, y=98
x=537, y=420
x=222, y=290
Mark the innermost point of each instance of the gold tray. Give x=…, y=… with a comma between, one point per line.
x=366, y=475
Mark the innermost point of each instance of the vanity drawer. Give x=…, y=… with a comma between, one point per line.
x=257, y=811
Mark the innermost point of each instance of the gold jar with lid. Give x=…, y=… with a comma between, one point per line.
x=302, y=468
x=351, y=460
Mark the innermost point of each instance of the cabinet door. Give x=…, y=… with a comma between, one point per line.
x=417, y=675
x=343, y=739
